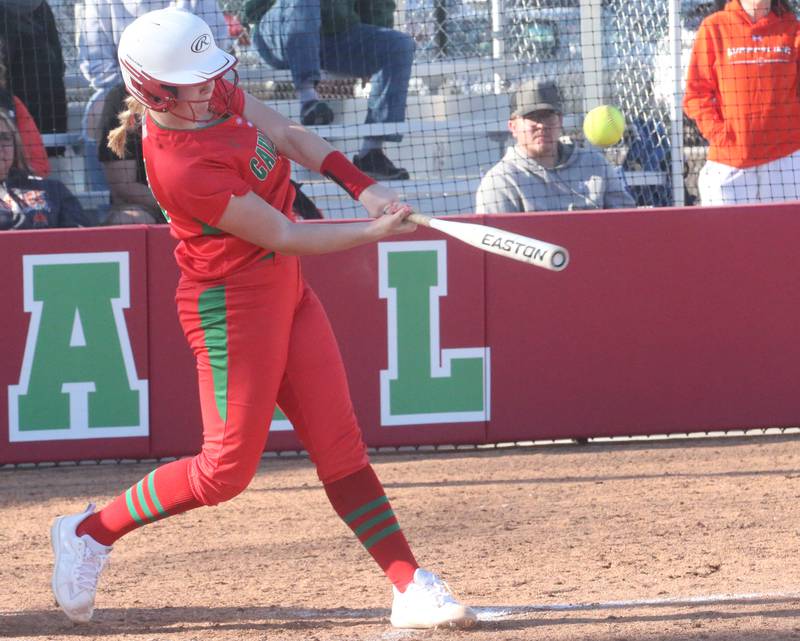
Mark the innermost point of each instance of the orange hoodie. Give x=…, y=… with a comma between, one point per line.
x=742, y=86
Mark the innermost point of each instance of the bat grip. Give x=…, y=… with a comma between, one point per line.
x=419, y=219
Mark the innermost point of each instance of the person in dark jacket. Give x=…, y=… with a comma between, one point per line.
x=28, y=201
x=34, y=61
x=342, y=37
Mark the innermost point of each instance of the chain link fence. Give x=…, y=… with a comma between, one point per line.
x=470, y=55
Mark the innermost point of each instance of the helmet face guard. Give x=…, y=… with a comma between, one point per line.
x=170, y=48
x=146, y=89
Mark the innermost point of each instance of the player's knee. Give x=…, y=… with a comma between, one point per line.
x=213, y=486
x=333, y=468
x=218, y=490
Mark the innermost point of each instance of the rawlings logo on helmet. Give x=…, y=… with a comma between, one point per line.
x=201, y=43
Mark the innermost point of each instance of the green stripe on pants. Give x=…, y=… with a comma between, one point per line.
x=213, y=320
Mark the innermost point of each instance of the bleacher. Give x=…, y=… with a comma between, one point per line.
x=449, y=140
x=455, y=129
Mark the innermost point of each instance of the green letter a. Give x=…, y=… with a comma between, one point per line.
x=78, y=377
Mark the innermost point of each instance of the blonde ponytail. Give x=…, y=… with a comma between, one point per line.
x=129, y=119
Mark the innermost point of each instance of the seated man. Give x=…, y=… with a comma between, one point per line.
x=542, y=173
x=343, y=37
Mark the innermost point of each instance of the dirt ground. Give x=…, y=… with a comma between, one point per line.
x=638, y=540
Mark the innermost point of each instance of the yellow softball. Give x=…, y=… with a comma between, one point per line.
x=604, y=125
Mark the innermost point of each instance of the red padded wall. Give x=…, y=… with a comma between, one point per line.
x=13, y=246
x=665, y=321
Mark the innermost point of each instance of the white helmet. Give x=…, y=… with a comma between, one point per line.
x=168, y=47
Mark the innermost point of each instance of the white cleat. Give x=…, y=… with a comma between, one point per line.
x=428, y=603
x=78, y=564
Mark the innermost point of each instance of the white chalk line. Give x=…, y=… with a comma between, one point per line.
x=504, y=613
x=499, y=613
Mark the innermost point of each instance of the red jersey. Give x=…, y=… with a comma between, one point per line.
x=193, y=173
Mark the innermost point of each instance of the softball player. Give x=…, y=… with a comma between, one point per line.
x=217, y=161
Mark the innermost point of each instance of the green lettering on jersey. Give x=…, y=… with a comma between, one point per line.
x=266, y=157
x=78, y=377
x=425, y=384
x=258, y=171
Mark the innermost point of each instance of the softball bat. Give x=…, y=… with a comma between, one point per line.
x=500, y=242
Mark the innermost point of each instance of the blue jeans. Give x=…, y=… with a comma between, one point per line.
x=288, y=37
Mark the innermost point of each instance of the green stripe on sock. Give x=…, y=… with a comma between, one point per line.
x=132, y=507
x=142, y=502
x=375, y=538
x=151, y=486
x=365, y=508
x=366, y=525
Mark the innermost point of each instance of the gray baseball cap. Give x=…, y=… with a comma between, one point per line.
x=535, y=95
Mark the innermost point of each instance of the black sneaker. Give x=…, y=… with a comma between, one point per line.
x=375, y=164
x=315, y=112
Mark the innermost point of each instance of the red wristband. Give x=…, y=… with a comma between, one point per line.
x=345, y=174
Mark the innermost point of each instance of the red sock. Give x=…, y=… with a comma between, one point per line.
x=162, y=493
x=360, y=501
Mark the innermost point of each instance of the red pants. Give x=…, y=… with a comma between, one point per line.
x=262, y=336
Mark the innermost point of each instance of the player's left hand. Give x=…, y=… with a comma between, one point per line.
x=394, y=220
x=376, y=198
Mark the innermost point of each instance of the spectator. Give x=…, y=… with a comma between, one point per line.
x=34, y=61
x=131, y=198
x=742, y=91
x=543, y=173
x=98, y=38
x=104, y=21
x=340, y=36
x=27, y=201
x=32, y=145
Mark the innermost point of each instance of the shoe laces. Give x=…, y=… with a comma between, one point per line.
x=438, y=590
x=88, y=570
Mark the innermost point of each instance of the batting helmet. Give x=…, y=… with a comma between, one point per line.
x=169, y=47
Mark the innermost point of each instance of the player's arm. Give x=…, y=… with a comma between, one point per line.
x=309, y=150
x=701, y=97
x=253, y=219
x=292, y=139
